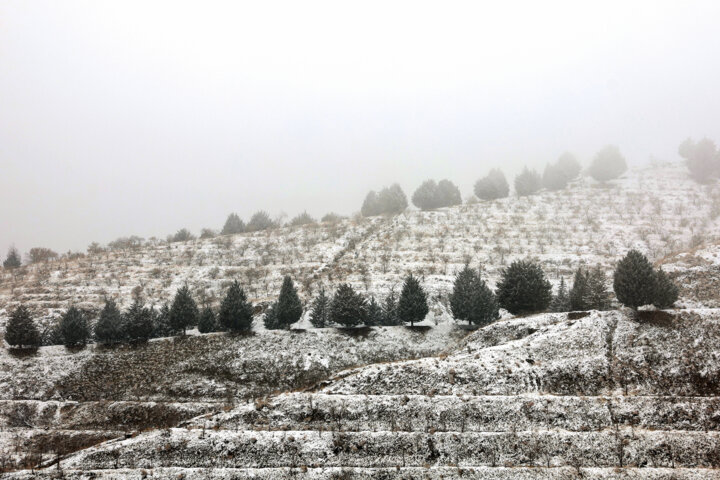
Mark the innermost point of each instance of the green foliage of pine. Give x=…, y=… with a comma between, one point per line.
x=523, y=288
x=608, y=164
x=138, y=323
x=288, y=308
x=207, y=322
x=374, y=313
x=21, y=330
x=634, y=280
x=184, y=311
x=270, y=320
x=431, y=194
x=561, y=301
x=471, y=299
x=528, y=182
x=492, y=186
x=348, y=308
x=109, y=327
x=412, y=306
x=589, y=291
x=235, y=311
x=13, y=259
x=320, y=310
x=74, y=328
x=389, y=310
x=161, y=323
x=666, y=292
x=579, y=293
x=233, y=225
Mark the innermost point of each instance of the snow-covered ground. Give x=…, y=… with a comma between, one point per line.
x=658, y=210
x=601, y=396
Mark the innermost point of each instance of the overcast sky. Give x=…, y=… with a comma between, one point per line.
x=120, y=118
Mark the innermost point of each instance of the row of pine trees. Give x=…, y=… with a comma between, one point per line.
x=522, y=289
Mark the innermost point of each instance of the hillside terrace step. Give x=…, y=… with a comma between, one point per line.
x=258, y=449
x=303, y=411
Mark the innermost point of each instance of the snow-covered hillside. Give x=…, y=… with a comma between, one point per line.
x=658, y=210
x=547, y=396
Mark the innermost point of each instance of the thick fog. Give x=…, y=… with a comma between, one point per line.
x=121, y=118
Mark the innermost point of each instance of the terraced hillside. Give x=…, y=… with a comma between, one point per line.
x=596, y=395
x=56, y=401
x=658, y=210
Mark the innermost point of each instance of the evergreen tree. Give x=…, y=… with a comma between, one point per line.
x=320, y=310
x=426, y=197
x=703, y=159
x=412, y=306
x=138, y=323
x=371, y=205
x=347, y=307
x=161, y=323
x=448, y=194
x=389, y=310
x=634, y=280
x=568, y=164
x=580, y=292
x=666, y=292
x=554, y=178
x=289, y=307
x=184, y=311
x=527, y=183
x=608, y=164
x=74, y=328
x=233, y=225
x=207, y=323
x=392, y=199
x=270, y=320
x=374, y=313
x=472, y=300
x=492, y=186
x=598, y=295
x=260, y=221
x=13, y=259
x=561, y=301
x=109, y=327
x=20, y=330
x=523, y=288
x=235, y=311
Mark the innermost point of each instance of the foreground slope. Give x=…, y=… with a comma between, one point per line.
x=547, y=396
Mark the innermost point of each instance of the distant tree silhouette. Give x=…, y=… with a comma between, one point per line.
x=348, y=308
x=235, y=311
x=184, y=311
x=13, y=259
x=233, y=225
x=608, y=164
x=527, y=182
x=492, y=186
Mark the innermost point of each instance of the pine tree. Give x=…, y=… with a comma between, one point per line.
x=374, y=313
x=289, y=307
x=412, y=306
x=579, y=293
x=561, y=301
x=13, y=259
x=138, y=323
x=634, y=280
x=74, y=328
x=161, y=323
x=320, y=310
x=666, y=292
x=233, y=225
x=347, y=307
x=568, y=164
x=448, y=194
x=472, y=300
x=270, y=320
x=20, y=330
x=598, y=295
x=207, y=323
x=389, y=310
x=392, y=199
x=527, y=183
x=184, y=311
x=109, y=327
x=371, y=205
x=492, y=186
x=523, y=288
x=554, y=178
x=235, y=311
